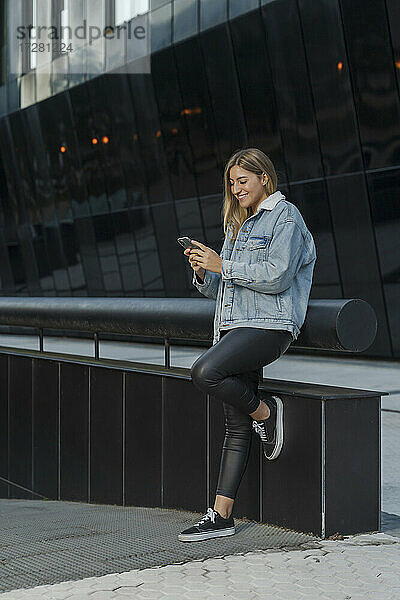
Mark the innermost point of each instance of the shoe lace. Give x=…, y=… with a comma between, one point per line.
x=210, y=514
x=260, y=429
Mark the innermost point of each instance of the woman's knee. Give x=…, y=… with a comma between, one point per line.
x=203, y=373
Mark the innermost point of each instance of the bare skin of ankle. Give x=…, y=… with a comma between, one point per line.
x=262, y=412
x=223, y=505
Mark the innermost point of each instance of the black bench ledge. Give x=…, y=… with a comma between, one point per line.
x=317, y=391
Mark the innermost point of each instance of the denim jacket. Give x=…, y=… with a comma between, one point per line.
x=266, y=273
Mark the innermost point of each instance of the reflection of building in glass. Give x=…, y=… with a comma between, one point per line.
x=101, y=171
x=127, y=9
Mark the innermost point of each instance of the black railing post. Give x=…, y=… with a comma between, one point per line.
x=167, y=353
x=96, y=345
x=41, y=340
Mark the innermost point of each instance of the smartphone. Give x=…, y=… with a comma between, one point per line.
x=186, y=243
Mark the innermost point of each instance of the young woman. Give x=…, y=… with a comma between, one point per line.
x=261, y=282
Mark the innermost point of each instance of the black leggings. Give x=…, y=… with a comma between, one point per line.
x=230, y=370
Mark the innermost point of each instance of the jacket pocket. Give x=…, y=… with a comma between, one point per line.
x=257, y=242
x=257, y=247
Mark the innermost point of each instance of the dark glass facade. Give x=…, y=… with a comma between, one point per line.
x=315, y=85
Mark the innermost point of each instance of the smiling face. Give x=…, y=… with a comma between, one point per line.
x=247, y=187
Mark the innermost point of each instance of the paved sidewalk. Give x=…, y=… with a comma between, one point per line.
x=358, y=567
x=363, y=567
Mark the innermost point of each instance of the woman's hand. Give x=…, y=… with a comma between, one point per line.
x=196, y=268
x=204, y=258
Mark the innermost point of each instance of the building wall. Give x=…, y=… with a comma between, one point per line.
x=315, y=85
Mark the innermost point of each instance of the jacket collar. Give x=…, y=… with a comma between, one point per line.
x=270, y=202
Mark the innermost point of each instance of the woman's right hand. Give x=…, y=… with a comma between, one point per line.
x=197, y=269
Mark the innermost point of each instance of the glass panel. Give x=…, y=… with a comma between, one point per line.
x=3, y=47
x=197, y=112
x=393, y=8
x=95, y=58
x=331, y=86
x=138, y=45
x=157, y=3
x=102, y=91
x=53, y=124
x=77, y=14
x=384, y=188
x=356, y=248
x=32, y=47
x=43, y=206
x=43, y=82
x=88, y=186
x=224, y=91
x=15, y=45
x=312, y=201
x=8, y=196
x=160, y=25
x=151, y=147
x=173, y=126
x=13, y=94
x=3, y=100
x=190, y=223
x=28, y=172
x=292, y=90
x=28, y=89
x=150, y=142
x=43, y=37
x=115, y=49
x=211, y=215
x=24, y=201
x=252, y=63
x=77, y=66
x=185, y=19
x=127, y=9
x=212, y=12
x=238, y=7
x=375, y=91
x=105, y=183
x=60, y=75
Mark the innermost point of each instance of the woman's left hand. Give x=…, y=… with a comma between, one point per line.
x=206, y=257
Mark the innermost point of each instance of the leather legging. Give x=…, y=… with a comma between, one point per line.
x=230, y=371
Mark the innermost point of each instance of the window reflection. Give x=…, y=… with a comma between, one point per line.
x=185, y=19
x=212, y=12
x=238, y=7
x=125, y=10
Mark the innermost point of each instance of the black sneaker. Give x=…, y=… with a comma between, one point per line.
x=210, y=526
x=271, y=430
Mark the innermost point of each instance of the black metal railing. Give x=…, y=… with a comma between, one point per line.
x=331, y=324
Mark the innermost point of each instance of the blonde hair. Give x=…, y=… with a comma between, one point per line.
x=255, y=161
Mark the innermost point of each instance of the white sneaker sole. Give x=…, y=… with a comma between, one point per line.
x=196, y=537
x=279, y=430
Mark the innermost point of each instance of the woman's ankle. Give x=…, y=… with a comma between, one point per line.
x=262, y=412
x=224, y=514
x=224, y=506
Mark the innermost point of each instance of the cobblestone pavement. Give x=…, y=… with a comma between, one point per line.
x=362, y=567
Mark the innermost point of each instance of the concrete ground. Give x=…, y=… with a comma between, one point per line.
x=364, y=566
